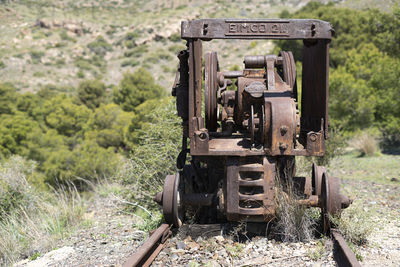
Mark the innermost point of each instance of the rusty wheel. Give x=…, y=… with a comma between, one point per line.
x=331, y=200
x=316, y=178
x=172, y=204
x=210, y=90
x=289, y=70
x=251, y=124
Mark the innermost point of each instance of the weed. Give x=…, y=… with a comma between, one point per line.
x=194, y=264
x=2, y=65
x=34, y=256
x=102, y=235
x=65, y=37
x=318, y=251
x=234, y=250
x=355, y=224
x=150, y=220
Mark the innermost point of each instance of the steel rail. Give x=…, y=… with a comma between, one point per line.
x=342, y=253
x=146, y=254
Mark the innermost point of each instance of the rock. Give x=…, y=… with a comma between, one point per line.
x=180, y=245
x=394, y=179
x=43, y=23
x=219, y=238
x=51, y=258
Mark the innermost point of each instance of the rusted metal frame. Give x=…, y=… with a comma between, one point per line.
x=195, y=120
x=145, y=255
x=256, y=29
x=342, y=253
x=315, y=77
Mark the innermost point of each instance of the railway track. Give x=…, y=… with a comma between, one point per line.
x=146, y=254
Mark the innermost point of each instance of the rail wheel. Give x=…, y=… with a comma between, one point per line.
x=331, y=200
x=172, y=201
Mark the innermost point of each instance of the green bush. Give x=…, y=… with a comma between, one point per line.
x=365, y=62
x=91, y=93
x=110, y=127
x=36, y=56
x=175, y=37
x=100, y=46
x=62, y=114
x=7, y=99
x=85, y=163
x=136, y=88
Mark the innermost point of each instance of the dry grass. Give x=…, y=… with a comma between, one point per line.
x=294, y=222
x=365, y=143
x=32, y=220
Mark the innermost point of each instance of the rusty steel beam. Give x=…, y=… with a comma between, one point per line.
x=150, y=249
x=207, y=29
x=342, y=253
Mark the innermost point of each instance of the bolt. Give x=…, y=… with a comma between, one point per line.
x=313, y=138
x=282, y=146
x=284, y=130
x=203, y=135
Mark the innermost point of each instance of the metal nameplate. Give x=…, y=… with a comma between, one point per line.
x=256, y=28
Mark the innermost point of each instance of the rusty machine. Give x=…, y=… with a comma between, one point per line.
x=251, y=130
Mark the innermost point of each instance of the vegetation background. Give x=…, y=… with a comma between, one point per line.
x=84, y=99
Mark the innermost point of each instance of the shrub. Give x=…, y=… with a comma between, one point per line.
x=154, y=156
x=100, y=46
x=14, y=131
x=137, y=51
x=136, y=88
x=91, y=93
x=110, y=126
x=130, y=62
x=85, y=163
x=7, y=98
x=2, y=65
x=175, y=37
x=355, y=223
x=36, y=56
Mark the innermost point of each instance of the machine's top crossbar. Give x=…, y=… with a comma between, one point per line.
x=207, y=29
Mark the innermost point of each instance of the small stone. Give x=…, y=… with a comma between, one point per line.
x=180, y=245
x=394, y=179
x=219, y=238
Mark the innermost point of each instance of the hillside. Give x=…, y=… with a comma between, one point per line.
x=64, y=42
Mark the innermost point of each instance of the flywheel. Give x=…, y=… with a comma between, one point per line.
x=210, y=90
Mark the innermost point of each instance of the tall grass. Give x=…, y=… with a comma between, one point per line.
x=31, y=219
x=365, y=143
